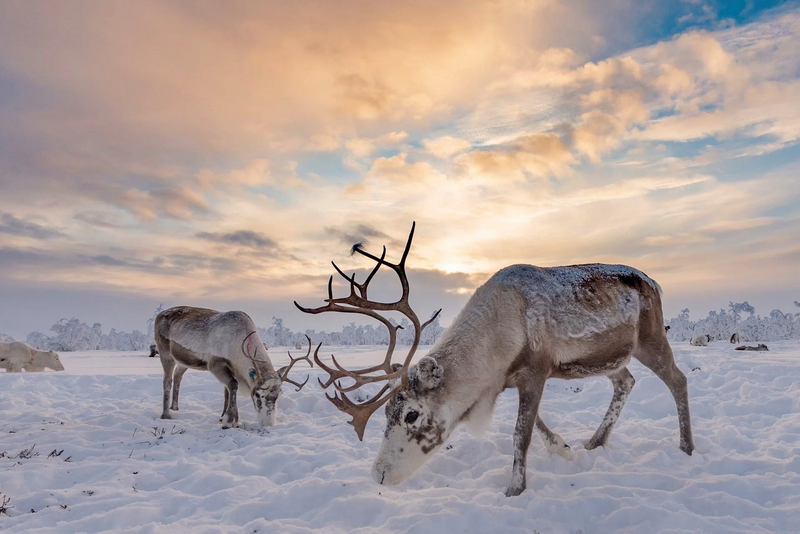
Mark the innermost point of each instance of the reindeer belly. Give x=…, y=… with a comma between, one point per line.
x=187, y=357
x=600, y=355
x=590, y=367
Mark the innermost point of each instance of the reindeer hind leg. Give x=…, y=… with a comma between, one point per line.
x=168, y=363
x=662, y=363
x=180, y=370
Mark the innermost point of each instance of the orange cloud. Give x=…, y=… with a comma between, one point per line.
x=535, y=155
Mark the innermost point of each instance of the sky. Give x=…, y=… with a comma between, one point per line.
x=222, y=154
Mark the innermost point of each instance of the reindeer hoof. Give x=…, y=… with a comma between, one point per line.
x=166, y=415
x=513, y=492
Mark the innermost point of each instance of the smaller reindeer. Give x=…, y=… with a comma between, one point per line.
x=16, y=356
x=283, y=372
x=700, y=341
x=227, y=345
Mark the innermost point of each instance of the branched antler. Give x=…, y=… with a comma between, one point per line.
x=358, y=302
x=283, y=372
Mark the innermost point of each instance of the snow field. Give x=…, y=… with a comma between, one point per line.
x=128, y=471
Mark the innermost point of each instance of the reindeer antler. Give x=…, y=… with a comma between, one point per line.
x=360, y=303
x=283, y=372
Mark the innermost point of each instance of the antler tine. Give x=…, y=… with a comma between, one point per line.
x=361, y=413
x=283, y=372
x=299, y=386
x=429, y=321
x=333, y=374
x=351, y=279
x=408, y=245
x=363, y=288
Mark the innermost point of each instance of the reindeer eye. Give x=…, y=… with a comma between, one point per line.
x=252, y=374
x=411, y=417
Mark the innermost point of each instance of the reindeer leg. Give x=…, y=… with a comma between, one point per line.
x=168, y=363
x=623, y=384
x=176, y=384
x=225, y=403
x=661, y=362
x=553, y=442
x=530, y=393
x=221, y=368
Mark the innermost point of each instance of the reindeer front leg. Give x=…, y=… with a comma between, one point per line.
x=530, y=394
x=225, y=403
x=623, y=382
x=553, y=442
x=221, y=368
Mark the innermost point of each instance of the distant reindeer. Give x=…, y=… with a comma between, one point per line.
x=524, y=325
x=226, y=344
x=16, y=356
x=734, y=337
x=700, y=341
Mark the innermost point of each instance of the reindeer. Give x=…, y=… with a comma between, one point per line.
x=227, y=345
x=524, y=325
x=701, y=341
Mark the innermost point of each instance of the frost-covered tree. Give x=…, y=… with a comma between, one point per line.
x=350, y=334
x=5, y=338
x=72, y=335
x=738, y=307
x=720, y=325
x=151, y=322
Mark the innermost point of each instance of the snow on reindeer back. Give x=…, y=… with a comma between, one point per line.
x=568, y=302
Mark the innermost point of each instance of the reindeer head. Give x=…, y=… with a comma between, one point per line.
x=417, y=422
x=55, y=361
x=265, y=400
x=264, y=382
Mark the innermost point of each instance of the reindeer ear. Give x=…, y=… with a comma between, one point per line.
x=429, y=373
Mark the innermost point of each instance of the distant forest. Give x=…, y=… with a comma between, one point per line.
x=72, y=334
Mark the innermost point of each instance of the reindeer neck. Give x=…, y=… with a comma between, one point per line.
x=480, y=346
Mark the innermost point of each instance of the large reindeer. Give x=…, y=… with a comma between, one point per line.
x=524, y=325
x=227, y=345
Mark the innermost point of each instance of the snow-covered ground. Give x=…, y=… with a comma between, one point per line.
x=104, y=462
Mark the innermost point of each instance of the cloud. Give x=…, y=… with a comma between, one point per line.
x=13, y=226
x=398, y=173
x=533, y=155
x=445, y=147
x=244, y=238
x=178, y=203
x=364, y=234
